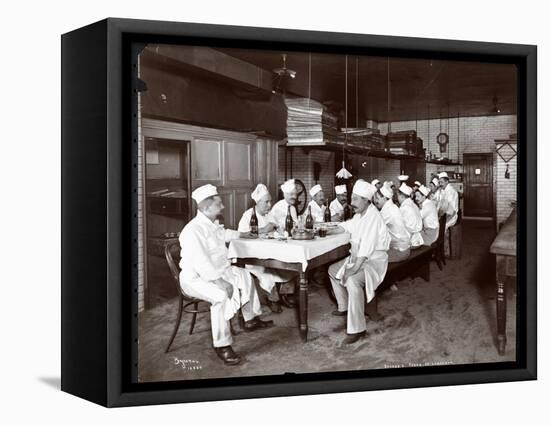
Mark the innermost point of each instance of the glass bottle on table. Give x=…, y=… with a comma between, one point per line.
x=309, y=219
x=289, y=223
x=254, y=222
x=327, y=214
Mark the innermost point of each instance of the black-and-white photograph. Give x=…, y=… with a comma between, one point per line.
x=304, y=212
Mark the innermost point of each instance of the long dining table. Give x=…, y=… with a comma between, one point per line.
x=301, y=256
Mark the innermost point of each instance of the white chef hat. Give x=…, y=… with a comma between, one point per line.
x=313, y=191
x=386, y=190
x=375, y=182
x=364, y=189
x=288, y=186
x=425, y=191
x=260, y=192
x=443, y=175
x=406, y=189
x=340, y=189
x=403, y=178
x=435, y=181
x=417, y=183
x=203, y=192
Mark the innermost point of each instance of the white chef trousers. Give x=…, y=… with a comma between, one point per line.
x=269, y=277
x=222, y=309
x=350, y=297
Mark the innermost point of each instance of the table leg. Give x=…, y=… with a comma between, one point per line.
x=501, y=303
x=303, y=306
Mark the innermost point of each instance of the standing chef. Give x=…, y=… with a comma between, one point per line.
x=449, y=200
x=364, y=269
x=207, y=274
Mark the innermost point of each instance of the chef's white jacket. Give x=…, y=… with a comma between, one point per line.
x=430, y=222
x=413, y=221
x=336, y=208
x=400, y=236
x=278, y=213
x=263, y=220
x=204, y=260
x=317, y=211
x=370, y=239
x=449, y=204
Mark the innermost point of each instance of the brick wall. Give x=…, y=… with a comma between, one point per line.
x=469, y=135
x=506, y=187
x=302, y=168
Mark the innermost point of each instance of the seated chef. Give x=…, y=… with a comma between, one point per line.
x=364, y=269
x=449, y=200
x=411, y=214
x=267, y=277
x=317, y=204
x=400, y=245
x=288, y=203
x=207, y=274
x=339, y=204
x=428, y=211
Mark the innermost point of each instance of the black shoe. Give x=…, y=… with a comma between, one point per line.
x=275, y=307
x=338, y=313
x=227, y=355
x=288, y=300
x=352, y=338
x=257, y=324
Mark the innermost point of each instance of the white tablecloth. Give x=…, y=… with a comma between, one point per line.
x=290, y=251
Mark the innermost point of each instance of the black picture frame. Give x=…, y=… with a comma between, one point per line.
x=99, y=241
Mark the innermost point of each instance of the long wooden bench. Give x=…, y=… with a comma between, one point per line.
x=416, y=265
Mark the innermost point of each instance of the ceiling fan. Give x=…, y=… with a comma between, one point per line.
x=282, y=76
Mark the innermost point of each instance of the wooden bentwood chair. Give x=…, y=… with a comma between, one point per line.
x=186, y=303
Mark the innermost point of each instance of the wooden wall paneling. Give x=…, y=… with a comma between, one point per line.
x=207, y=161
x=228, y=200
x=239, y=161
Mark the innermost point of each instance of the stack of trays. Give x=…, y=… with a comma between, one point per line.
x=308, y=123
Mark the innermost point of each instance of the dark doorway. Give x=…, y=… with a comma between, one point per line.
x=478, y=185
x=167, y=210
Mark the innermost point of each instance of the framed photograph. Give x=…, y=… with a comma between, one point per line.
x=255, y=212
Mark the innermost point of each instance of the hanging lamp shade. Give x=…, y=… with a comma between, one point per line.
x=343, y=173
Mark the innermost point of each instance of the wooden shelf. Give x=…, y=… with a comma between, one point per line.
x=378, y=153
x=444, y=162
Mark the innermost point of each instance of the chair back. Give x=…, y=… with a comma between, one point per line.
x=442, y=225
x=174, y=268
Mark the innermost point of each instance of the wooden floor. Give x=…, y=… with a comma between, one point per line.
x=449, y=320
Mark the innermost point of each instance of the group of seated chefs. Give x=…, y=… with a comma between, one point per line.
x=388, y=222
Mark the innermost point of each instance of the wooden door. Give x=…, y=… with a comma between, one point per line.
x=478, y=185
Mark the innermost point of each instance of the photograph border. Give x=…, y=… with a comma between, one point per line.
x=99, y=242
